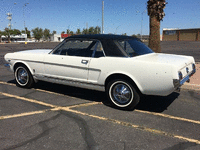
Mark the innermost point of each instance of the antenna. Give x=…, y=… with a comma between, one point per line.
x=9, y=19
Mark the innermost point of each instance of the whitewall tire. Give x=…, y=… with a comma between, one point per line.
x=122, y=94
x=23, y=77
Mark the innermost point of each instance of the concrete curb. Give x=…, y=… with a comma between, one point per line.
x=194, y=85
x=188, y=86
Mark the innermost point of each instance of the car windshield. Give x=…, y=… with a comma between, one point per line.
x=134, y=47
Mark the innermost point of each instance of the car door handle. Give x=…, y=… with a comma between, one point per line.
x=84, y=61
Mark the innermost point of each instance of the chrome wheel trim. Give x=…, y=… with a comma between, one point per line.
x=121, y=93
x=22, y=76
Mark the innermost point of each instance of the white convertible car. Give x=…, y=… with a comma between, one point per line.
x=122, y=66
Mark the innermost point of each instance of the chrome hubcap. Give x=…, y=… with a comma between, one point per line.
x=22, y=76
x=121, y=93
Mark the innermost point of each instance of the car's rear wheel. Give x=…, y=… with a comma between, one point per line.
x=23, y=77
x=122, y=94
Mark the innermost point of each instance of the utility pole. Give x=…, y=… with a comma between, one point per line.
x=142, y=23
x=102, y=17
x=24, y=20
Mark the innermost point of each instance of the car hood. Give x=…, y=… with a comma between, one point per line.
x=171, y=59
x=36, y=51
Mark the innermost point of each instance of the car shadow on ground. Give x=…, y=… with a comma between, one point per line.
x=156, y=103
x=147, y=103
x=80, y=93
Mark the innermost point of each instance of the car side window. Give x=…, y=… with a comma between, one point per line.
x=81, y=48
x=126, y=46
x=98, y=50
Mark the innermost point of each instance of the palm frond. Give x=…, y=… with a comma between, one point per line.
x=156, y=8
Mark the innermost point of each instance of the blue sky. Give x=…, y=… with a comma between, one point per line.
x=120, y=16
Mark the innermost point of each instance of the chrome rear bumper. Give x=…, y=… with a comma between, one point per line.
x=177, y=83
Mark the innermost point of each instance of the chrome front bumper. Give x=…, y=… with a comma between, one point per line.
x=8, y=66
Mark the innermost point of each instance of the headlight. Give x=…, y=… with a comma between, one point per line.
x=180, y=75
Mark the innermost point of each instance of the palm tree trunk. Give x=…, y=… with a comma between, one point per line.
x=154, y=39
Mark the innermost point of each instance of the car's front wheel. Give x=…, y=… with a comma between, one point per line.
x=122, y=94
x=23, y=77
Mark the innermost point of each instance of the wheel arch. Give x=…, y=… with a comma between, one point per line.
x=22, y=63
x=125, y=77
x=29, y=80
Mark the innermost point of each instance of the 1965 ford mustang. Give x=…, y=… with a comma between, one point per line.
x=122, y=66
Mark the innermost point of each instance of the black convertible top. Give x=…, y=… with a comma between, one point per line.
x=107, y=41
x=102, y=36
x=113, y=45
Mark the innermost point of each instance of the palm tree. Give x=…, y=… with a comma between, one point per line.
x=85, y=31
x=68, y=31
x=78, y=31
x=156, y=14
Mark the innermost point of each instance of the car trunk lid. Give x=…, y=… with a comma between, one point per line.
x=178, y=61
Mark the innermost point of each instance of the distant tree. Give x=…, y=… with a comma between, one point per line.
x=54, y=32
x=15, y=32
x=71, y=32
x=97, y=30
x=78, y=31
x=46, y=34
x=138, y=35
x=85, y=31
x=124, y=34
x=27, y=32
x=91, y=30
x=6, y=33
x=63, y=32
x=156, y=14
x=134, y=35
x=68, y=31
x=38, y=33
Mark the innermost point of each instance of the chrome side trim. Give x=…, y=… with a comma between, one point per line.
x=86, y=85
x=29, y=60
x=86, y=68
